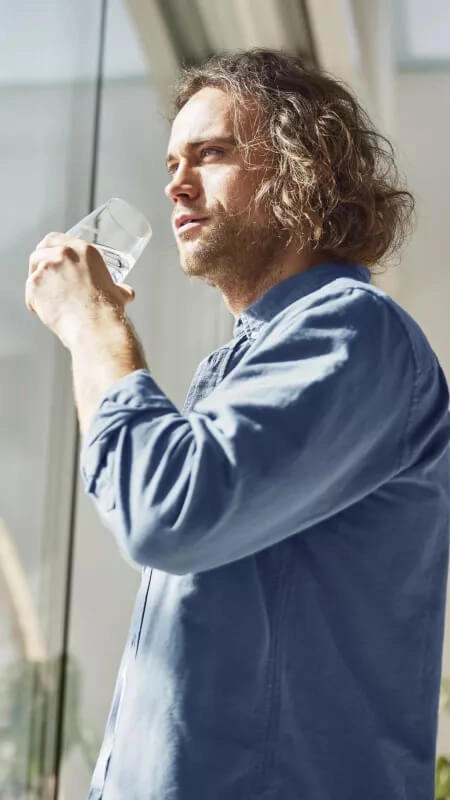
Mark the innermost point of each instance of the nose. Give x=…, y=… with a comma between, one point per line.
x=184, y=185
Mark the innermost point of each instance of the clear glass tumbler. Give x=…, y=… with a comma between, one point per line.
x=119, y=231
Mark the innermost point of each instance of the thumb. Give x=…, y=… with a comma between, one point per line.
x=127, y=292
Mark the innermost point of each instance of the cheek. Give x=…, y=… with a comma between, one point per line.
x=227, y=187
x=220, y=189
x=241, y=191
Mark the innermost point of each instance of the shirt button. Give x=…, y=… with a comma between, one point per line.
x=133, y=641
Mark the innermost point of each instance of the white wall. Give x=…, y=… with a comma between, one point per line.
x=423, y=123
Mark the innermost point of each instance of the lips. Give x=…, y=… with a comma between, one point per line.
x=183, y=220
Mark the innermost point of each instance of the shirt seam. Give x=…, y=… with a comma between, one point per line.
x=383, y=302
x=414, y=396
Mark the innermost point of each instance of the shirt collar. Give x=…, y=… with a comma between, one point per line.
x=290, y=289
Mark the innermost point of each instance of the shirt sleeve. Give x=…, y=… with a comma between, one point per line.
x=319, y=413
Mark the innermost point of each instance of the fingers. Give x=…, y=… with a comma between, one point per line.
x=126, y=291
x=38, y=261
x=27, y=297
x=55, y=249
x=44, y=256
x=51, y=256
x=52, y=239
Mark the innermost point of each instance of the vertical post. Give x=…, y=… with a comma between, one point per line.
x=63, y=686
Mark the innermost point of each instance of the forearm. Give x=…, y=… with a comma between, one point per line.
x=104, y=349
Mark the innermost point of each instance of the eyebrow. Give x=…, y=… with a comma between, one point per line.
x=193, y=145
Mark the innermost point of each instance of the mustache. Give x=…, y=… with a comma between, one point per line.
x=219, y=214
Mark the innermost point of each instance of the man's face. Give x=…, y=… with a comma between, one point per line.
x=228, y=241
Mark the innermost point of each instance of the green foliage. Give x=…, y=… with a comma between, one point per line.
x=442, y=778
x=442, y=791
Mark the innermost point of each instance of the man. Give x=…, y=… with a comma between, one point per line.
x=292, y=522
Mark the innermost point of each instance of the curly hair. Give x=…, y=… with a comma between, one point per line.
x=332, y=182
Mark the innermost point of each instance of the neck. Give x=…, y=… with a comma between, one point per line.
x=239, y=295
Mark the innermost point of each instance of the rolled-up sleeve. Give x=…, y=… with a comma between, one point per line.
x=319, y=413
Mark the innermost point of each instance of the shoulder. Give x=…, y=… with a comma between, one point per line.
x=355, y=310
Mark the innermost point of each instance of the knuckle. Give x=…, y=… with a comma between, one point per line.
x=46, y=239
x=49, y=239
x=34, y=279
x=44, y=265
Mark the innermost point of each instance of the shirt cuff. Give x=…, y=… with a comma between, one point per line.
x=135, y=392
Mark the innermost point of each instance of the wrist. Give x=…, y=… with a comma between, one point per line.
x=104, y=348
x=98, y=321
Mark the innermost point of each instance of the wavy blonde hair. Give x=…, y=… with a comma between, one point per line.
x=332, y=182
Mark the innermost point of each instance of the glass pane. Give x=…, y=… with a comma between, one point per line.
x=133, y=144
x=46, y=115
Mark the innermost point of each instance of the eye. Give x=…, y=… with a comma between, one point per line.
x=214, y=150
x=204, y=153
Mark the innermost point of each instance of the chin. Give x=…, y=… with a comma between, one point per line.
x=194, y=269
x=205, y=263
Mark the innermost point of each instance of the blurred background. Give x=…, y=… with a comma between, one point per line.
x=84, y=105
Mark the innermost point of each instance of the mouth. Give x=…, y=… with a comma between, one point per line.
x=188, y=223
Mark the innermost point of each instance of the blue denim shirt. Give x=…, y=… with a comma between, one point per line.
x=293, y=528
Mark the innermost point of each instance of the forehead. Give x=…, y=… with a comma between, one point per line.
x=207, y=114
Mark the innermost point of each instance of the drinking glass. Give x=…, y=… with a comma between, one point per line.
x=119, y=231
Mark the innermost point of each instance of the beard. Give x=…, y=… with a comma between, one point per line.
x=232, y=251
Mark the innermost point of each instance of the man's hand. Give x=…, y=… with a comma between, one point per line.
x=67, y=280
x=70, y=289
